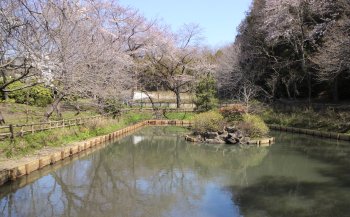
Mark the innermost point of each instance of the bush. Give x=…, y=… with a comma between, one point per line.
x=208, y=121
x=38, y=95
x=253, y=126
x=112, y=106
x=206, y=94
x=233, y=112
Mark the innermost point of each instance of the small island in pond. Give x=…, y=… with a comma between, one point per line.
x=230, y=125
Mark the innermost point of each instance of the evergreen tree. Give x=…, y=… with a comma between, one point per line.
x=206, y=98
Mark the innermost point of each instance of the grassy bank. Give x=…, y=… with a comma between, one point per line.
x=328, y=120
x=15, y=113
x=59, y=137
x=20, y=114
x=180, y=115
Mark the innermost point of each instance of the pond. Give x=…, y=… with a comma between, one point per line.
x=154, y=172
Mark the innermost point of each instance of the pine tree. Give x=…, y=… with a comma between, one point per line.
x=206, y=94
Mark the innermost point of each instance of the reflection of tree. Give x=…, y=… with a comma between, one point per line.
x=212, y=161
x=288, y=197
x=154, y=177
x=311, y=178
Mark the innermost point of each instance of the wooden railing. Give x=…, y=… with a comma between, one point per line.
x=152, y=109
x=15, y=130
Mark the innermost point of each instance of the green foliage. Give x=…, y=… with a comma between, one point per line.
x=112, y=105
x=233, y=112
x=208, y=121
x=206, y=94
x=180, y=115
x=8, y=101
x=328, y=120
x=133, y=117
x=63, y=136
x=37, y=95
x=40, y=95
x=253, y=125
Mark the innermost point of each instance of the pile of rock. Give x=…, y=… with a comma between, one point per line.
x=230, y=135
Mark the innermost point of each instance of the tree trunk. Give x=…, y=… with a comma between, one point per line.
x=295, y=91
x=305, y=71
x=5, y=94
x=335, y=90
x=150, y=99
x=304, y=68
x=178, y=99
x=54, y=107
x=2, y=119
x=309, y=88
x=286, y=85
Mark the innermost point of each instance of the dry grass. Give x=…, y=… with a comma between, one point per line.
x=328, y=120
x=15, y=113
x=60, y=137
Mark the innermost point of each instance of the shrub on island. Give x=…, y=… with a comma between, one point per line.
x=212, y=127
x=253, y=126
x=233, y=112
x=208, y=121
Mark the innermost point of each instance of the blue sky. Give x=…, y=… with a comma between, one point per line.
x=218, y=18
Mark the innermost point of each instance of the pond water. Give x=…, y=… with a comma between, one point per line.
x=154, y=172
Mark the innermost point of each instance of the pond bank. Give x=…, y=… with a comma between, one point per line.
x=316, y=133
x=13, y=169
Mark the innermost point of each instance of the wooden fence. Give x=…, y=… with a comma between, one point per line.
x=294, y=106
x=15, y=130
x=158, y=109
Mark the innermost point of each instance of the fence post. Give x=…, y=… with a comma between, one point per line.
x=22, y=131
x=12, y=136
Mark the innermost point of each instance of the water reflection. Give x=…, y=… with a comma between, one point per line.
x=156, y=173
x=318, y=186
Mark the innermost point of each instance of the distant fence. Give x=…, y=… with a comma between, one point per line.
x=164, y=105
x=291, y=106
x=159, y=109
x=15, y=130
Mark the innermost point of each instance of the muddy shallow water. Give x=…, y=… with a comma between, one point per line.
x=154, y=172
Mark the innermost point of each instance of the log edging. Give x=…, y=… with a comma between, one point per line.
x=316, y=133
x=22, y=169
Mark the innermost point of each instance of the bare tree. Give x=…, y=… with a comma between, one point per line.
x=175, y=60
x=247, y=92
x=332, y=58
x=85, y=50
x=301, y=26
x=287, y=20
x=229, y=73
x=18, y=46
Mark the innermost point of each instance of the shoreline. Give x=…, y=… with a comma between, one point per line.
x=11, y=169
x=16, y=168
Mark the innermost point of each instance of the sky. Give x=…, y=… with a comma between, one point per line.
x=219, y=19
